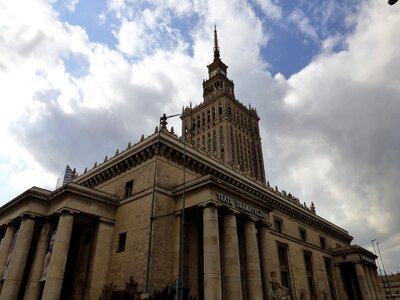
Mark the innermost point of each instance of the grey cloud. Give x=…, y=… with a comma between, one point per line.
x=355, y=126
x=79, y=139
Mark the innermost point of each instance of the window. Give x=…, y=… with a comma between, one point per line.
x=328, y=268
x=284, y=265
x=278, y=225
x=221, y=142
x=128, y=188
x=214, y=142
x=322, y=242
x=310, y=274
x=121, y=242
x=303, y=234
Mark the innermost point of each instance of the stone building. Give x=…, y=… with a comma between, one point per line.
x=391, y=285
x=196, y=207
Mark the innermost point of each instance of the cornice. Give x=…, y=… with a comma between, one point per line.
x=79, y=190
x=173, y=149
x=33, y=193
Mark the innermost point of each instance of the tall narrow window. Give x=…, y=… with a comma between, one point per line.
x=209, y=142
x=322, y=242
x=221, y=142
x=128, y=189
x=329, y=274
x=310, y=275
x=278, y=225
x=214, y=142
x=121, y=242
x=303, y=234
x=284, y=265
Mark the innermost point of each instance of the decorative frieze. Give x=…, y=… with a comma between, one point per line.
x=172, y=148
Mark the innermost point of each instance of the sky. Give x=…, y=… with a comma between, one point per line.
x=81, y=79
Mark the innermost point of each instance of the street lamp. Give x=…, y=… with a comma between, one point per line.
x=384, y=271
x=379, y=267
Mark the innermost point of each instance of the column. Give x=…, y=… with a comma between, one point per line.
x=5, y=245
x=362, y=281
x=101, y=258
x=15, y=271
x=32, y=291
x=382, y=293
x=253, y=270
x=231, y=277
x=369, y=282
x=265, y=269
x=212, y=263
x=58, y=260
x=375, y=283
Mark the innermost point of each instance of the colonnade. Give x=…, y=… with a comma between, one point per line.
x=229, y=280
x=368, y=281
x=14, y=251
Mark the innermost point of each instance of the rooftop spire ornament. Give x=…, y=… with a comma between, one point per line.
x=216, y=47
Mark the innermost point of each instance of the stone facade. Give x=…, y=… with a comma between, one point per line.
x=164, y=209
x=390, y=285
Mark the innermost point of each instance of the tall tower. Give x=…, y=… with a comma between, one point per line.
x=223, y=127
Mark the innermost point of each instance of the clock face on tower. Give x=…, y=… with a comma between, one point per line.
x=215, y=72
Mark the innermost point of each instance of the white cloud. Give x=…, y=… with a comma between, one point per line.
x=71, y=5
x=131, y=37
x=270, y=9
x=301, y=21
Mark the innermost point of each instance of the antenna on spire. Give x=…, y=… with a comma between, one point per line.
x=216, y=47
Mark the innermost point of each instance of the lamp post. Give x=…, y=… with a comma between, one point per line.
x=379, y=267
x=384, y=271
x=180, y=283
x=162, y=124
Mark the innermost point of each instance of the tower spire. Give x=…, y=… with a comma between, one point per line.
x=216, y=47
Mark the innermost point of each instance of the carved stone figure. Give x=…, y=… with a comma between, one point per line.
x=48, y=255
x=278, y=291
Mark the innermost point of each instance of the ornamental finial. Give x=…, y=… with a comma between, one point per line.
x=216, y=47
